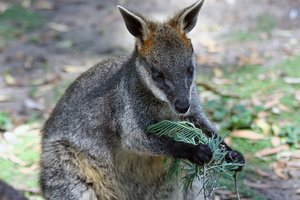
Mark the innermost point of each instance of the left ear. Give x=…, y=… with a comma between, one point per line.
x=186, y=19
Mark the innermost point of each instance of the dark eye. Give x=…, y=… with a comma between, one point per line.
x=158, y=76
x=190, y=70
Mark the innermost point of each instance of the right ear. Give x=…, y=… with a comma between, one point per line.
x=135, y=24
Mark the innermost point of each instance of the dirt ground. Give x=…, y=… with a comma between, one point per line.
x=80, y=33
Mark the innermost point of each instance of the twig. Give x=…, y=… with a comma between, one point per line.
x=236, y=187
x=216, y=91
x=204, y=183
x=28, y=190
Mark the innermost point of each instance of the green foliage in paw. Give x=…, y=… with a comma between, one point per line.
x=208, y=173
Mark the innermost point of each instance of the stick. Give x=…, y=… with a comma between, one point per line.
x=214, y=90
x=236, y=187
x=28, y=190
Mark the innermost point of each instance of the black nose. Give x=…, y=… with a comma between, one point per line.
x=182, y=106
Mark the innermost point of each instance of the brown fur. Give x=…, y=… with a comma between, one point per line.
x=97, y=177
x=148, y=42
x=135, y=165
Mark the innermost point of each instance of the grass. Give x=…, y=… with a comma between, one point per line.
x=16, y=21
x=244, y=190
x=19, y=157
x=259, y=82
x=4, y=121
x=264, y=23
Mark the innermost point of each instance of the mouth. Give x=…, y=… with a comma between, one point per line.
x=181, y=111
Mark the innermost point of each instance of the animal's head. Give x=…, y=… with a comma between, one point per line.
x=165, y=54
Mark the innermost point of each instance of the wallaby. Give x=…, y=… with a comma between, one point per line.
x=9, y=193
x=94, y=144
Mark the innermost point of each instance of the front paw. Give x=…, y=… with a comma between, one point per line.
x=235, y=157
x=200, y=154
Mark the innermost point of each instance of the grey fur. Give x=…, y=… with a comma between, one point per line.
x=94, y=143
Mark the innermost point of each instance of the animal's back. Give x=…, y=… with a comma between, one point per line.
x=77, y=124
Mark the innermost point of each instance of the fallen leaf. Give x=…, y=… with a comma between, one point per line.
x=53, y=79
x=222, y=81
x=28, y=62
x=255, y=100
x=10, y=80
x=227, y=140
x=43, y=5
x=29, y=170
x=281, y=173
x=297, y=96
x=271, y=151
x=247, y=134
x=284, y=108
x=210, y=45
x=252, y=59
x=262, y=173
x=19, y=55
x=29, y=103
x=73, y=69
x=208, y=60
x=291, y=80
x=294, y=173
x=263, y=114
x=275, y=141
x=3, y=6
x=59, y=27
x=65, y=44
x=263, y=125
x=289, y=155
x=276, y=110
x=257, y=185
x=294, y=164
x=275, y=129
x=218, y=73
x=272, y=103
x=5, y=98
x=280, y=169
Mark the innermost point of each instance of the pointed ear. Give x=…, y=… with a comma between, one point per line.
x=134, y=23
x=186, y=19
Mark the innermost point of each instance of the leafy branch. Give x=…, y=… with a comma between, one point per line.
x=189, y=172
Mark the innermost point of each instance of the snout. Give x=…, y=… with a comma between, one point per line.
x=182, y=105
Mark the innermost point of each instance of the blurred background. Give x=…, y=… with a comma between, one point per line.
x=248, y=76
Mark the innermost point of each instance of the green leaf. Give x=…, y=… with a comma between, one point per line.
x=189, y=172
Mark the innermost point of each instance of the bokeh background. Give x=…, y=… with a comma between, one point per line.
x=248, y=76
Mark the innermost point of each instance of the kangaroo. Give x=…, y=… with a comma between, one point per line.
x=94, y=144
x=9, y=193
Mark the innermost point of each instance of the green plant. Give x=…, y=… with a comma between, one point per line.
x=291, y=134
x=4, y=121
x=17, y=20
x=209, y=173
x=230, y=116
